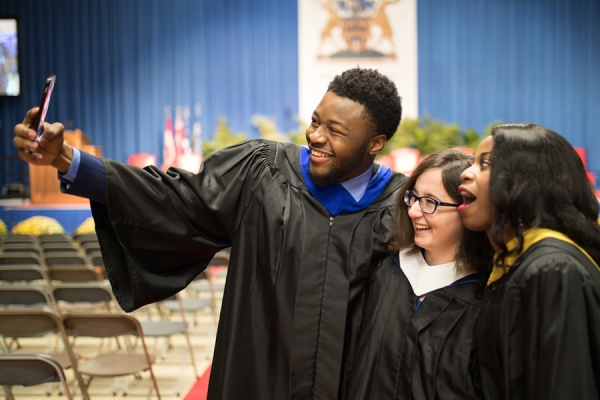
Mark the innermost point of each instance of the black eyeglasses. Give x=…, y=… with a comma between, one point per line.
x=427, y=204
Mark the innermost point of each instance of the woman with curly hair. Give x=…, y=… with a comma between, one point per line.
x=539, y=330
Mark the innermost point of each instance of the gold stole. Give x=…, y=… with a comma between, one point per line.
x=530, y=237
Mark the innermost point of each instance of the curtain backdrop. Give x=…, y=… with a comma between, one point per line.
x=537, y=61
x=120, y=62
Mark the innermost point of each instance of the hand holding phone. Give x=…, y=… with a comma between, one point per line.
x=38, y=120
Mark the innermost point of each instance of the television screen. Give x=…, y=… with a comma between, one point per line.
x=10, y=84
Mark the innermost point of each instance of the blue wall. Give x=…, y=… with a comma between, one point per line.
x=119, y=63
x=513, y=61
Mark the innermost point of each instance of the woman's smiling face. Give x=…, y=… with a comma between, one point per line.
x=476, y=212
x=438, y=233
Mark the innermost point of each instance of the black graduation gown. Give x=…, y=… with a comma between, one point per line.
x=294, y=271
x=427, y=353
x=539, y=335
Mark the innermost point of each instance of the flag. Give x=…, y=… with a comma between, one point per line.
x=197, y=131
x=186, y=143
x=184, y=158
x=169, y=153
x=179, y=134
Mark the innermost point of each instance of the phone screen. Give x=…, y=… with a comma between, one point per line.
x=38, y=120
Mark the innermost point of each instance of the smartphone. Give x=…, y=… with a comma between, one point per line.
x=38, y=120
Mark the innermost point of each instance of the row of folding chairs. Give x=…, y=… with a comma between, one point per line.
x=128, y=355
x=31, y=273
x=61, y=298
x=42, y=245
x=78, y=267
x=19, y=273
x=50, y=247
x=12, y=273
x=68, y=298
x=52, y=260
x=202, y=290
x=42, y=260
x=63, y=295
x=49, y=237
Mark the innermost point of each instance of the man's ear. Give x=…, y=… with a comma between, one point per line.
x=376, y=144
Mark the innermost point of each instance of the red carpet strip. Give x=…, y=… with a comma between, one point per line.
x=200, y=388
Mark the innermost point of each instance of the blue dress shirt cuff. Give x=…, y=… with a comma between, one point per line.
x=85, y=177
x=69, y=177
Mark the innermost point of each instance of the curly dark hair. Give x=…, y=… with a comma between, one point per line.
x=474, y=252
x=376, y=92
x=538, y=180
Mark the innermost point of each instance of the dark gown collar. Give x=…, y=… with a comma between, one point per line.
x=335, y=198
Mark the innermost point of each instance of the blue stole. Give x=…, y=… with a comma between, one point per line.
x=335, y=198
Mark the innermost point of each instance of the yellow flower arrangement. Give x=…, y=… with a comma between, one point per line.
x=37, y=225
x=88, y=226
x=3, y=228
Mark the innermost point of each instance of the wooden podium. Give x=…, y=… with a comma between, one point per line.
x=44, y=186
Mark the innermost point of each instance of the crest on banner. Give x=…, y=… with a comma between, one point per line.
x=336, y=35
x=356, y=29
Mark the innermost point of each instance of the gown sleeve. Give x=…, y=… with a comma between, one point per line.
x=159, y=230
x=561, y=333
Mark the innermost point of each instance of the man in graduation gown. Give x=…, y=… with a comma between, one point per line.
x=304, y=225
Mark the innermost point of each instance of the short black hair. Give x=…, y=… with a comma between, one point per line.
x=538, y=180
x=376, y=92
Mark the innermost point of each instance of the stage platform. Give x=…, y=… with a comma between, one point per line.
x=70, y=216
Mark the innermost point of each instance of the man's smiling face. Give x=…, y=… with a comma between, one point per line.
x=340, y=140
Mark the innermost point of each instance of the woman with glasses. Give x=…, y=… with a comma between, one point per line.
x=539, y=331
x=415, y=337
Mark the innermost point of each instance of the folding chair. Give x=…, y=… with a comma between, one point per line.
x=62, y=258
x=95, y=259
x=25, y=296
x=74, y=273
x=54, y=238
x=59, y=247
x=220, y=259
x=23, y=274
x=20, y=239
x=190, y=305
x=26, y=324
x=25, y=258
x=21, y=248
x=85, y=238
x=83, y=297
x=164, y=329
x=86, y=297
x=219, y=263
x=90, y=247
x=204, y=283
x=30, y=370
x=110, y=364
